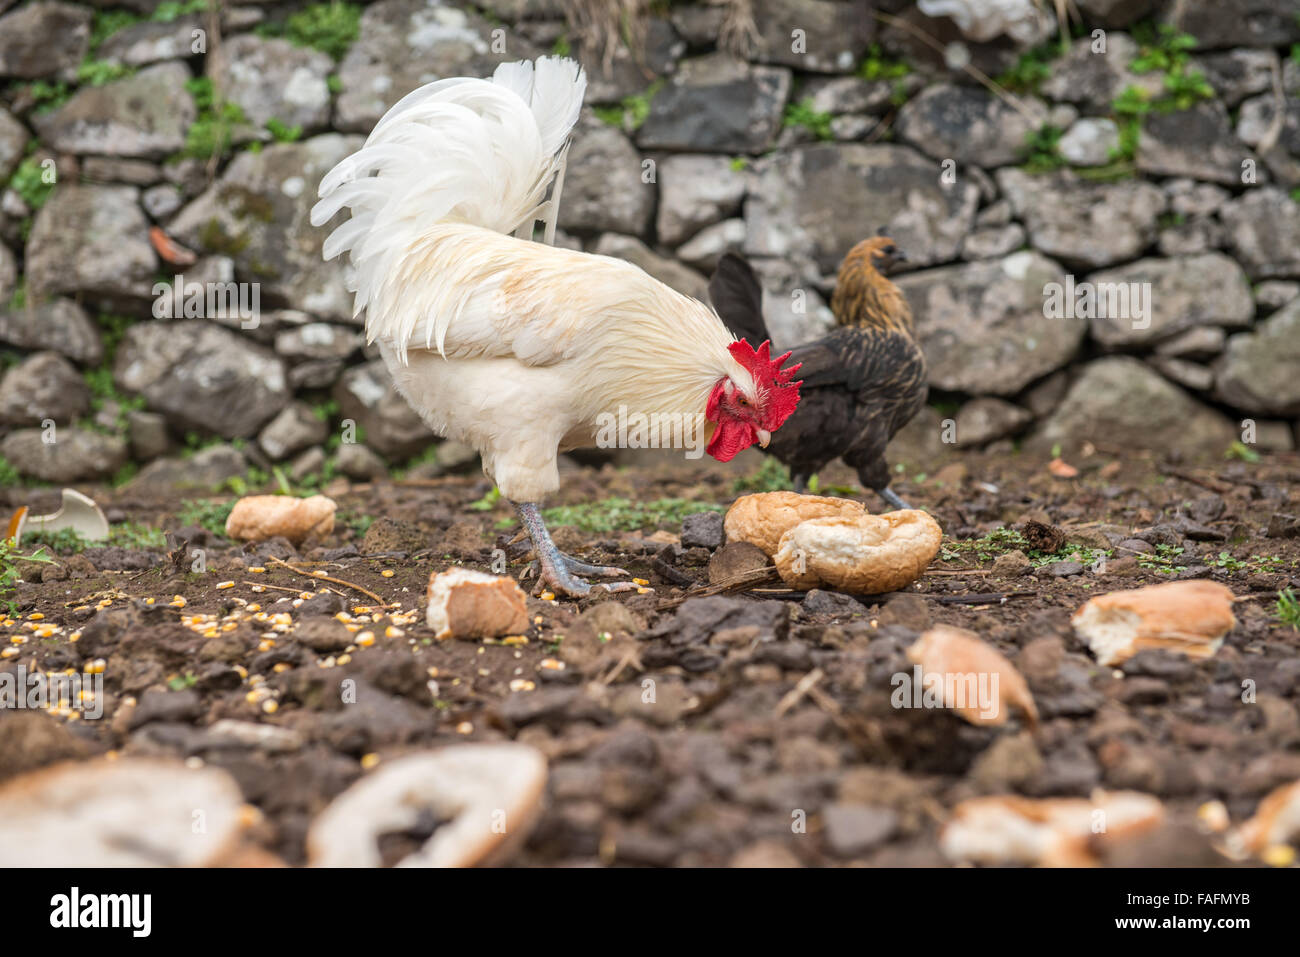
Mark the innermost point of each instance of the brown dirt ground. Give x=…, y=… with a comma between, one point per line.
x=714, y=770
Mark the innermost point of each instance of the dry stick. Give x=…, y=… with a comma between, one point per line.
x=795, y=694
x=980, y=76
x=326, y=578
x=757, y=577
x=293, y=591
x=1194, y=479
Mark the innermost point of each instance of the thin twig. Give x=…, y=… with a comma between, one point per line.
x=326, y=578
x=796, y=694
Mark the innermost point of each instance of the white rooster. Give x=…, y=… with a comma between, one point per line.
x=512, y=346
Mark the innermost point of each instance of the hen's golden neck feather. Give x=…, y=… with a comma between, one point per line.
x=865, y=298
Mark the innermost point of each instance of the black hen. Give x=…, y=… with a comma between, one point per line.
x=861, y=383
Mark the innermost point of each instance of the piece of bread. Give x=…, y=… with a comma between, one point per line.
x=256, y=518
x=490, y=794
x=864, y=555
x=1191, y=617
x=1276, y=821
x=970, y=669
x=132, y=812
x=762, y=518
x=464, y=603
x=1049, y=832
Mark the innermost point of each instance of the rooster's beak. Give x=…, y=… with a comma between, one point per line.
x=764, y=437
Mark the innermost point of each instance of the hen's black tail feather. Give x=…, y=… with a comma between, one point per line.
x=738, y=297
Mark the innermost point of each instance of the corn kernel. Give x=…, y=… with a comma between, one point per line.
x=257, y=570
x=368, y=761
x=35, y=616
x=224, y=585
x=343, y=659
x=270, y=707
x=640, y=581
x=388, y=573
x=1279, y=855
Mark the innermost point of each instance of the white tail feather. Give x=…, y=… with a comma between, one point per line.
x=462, y=150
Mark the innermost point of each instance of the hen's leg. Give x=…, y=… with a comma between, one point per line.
x=557, y=570
x=891, y=498
x=800, y=483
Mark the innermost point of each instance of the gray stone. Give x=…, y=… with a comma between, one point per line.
x=91, y=239
x=257, y=213
x=1191, y=238
x=848, y=94
x=315, y=374
x=817, y=202
x=983, y=327
x=1196, y=142
x=13, y=143
x=702, y=530
x=206, y=470
x=43, y=386
x=318, y=340
x=117, y=169
x=1119, y=403
x=1188, y=197
x=309, y=463
x=385, y=421
x=1255, y=123
x=1263, y=227
x=1115, y=13
x=835, y=35
x=145, y=114
x=8, y=273
x=140, y=44
x=603, y=189
x=1257, y=372
x=161, y=201
x=716, y=103
x=668, y=271
x=202, y=376
x=968, y=124
x=704, y=251
x=1190, y=375
x=1184, y=293
x=1247, y=23
x=270, y=78
x=57, y=324
x=1082, y=223
x=43, y=38
x=695, y=191
x=1237, y=74
x=295, y=428
x=357, y=462
x=1090, y=142
x=993, y=242
x=404, y=44
x=984, y=420
x=75, y=454
x=854, y=829
x=1199, y=342
x=1275, y=293
x=148, y=433
x=1094, y=80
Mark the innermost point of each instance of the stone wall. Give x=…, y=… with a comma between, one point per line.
x=1129, y=156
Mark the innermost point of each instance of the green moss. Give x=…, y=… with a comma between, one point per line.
x=620, y=514
x=99, y=72
x=29, y=182
x=1030, y=69
x=632, y=111
x=283, y=133
x=802, y=114
x=212, y=132
x=771, y=476
x=876, y=66
x=328, y=27
x=1044, y=150
x=206, y=513
x=214, y=239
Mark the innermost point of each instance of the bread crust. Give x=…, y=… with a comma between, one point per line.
x=1192, y=617
x=864, y=555
x=764, y=517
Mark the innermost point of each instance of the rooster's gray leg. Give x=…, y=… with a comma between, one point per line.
x=558, y=571
x=800, y=483
x=891, y=498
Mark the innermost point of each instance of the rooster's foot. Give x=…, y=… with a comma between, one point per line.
x=559, y=572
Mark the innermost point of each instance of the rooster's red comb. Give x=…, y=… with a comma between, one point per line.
x=774, y=385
